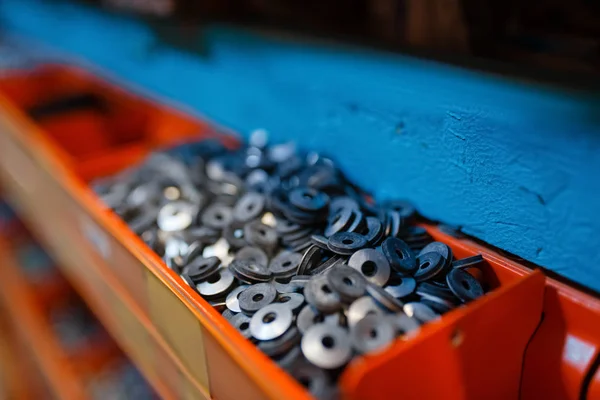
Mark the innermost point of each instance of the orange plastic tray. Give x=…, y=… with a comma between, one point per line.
x=177, y=339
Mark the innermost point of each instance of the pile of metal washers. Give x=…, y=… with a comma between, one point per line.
x=301, y=261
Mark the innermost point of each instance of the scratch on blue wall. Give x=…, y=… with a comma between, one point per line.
x=517, y=165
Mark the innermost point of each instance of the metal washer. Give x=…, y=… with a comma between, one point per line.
x=241, y=322
x=406, y=286
x=442, y=249
x=372, y=264
x=327, y=346
x=214, y=288
x=430, y=265
x=318, y=294
x=176, y=216
x=232, y=302
x=285, y=264
x=271, y=322
x=464, y=285
x=293, y=301
x=371, y=334
x=360, y=308
x=308, y=317
x=256, y=297
x=249, y=207
x=348, y=283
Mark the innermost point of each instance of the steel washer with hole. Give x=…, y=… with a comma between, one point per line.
x=372, y=264
x=256, y=297
x=318, y=294
x=348, y=283
x=249, y=207
x=270, y=322
x=308, y=317
x=464, y=285
x=285, y=264
x=232, y=301
x=405, y=288
x=249, y=272
x=217, y=216
x=176, y=216
x=326, y=346
x=224, y=280
x=361, y=308
x=399, y=255
x=372, y=333
x=346, y=243
x=430, y=266
x=241, y=322
x=200, y=268
x=294, y=301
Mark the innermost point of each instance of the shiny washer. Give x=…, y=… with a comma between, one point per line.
x=217, y=284
x=373, y=333
x=232, y=301
x=271, y=322
x=372, y=264
x=327, y=346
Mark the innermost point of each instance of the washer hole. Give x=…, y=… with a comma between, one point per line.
x=284, y=299
x=373, y=333
x=348, y=281
x=347, y=241
x=219, y=217
x=262, y=231
x=465, y=284
x=258, y=297
x=287, y=263
x=425, y=265
x=328, y=342
x=244, y=326
x=308, y=196
x=326, y=289
x=270, y=317
x=214, y=278
x=400, y=254
x=369, y=268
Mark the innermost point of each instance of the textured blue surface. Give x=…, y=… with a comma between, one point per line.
x=518, y=166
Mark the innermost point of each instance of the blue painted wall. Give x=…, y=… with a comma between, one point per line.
x=518, y=166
